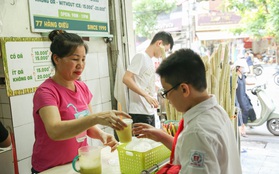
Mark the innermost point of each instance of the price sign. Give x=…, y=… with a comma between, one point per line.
x=27, y=63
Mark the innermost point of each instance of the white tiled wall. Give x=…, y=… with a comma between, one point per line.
x=106, y=106
x=97, y=108
x=105, y=89
x=92, y=68
x=24, y=166
x=103, y=60
x=95, y=88
x=22, y=111
x=99, y=85
x=24, y=136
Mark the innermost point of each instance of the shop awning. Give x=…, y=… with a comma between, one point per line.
x=218, y=35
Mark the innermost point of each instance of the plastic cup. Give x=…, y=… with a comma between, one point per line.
x=125, y=135
x=89, y=160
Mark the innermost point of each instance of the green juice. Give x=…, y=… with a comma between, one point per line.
x=91, y=170
x=90, y=165
x=125, y=135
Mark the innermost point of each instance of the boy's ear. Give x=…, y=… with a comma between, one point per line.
x=185, y=89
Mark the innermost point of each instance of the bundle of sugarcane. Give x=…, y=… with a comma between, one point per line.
x=218, y=74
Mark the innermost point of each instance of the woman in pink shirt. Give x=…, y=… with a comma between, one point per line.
x=62, y=112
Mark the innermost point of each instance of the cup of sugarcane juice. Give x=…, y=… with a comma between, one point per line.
x=89, y=158
x=125, y=135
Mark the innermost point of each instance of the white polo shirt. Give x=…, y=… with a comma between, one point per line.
x=207, y=144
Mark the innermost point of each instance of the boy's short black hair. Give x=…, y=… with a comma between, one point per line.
x=184, y=65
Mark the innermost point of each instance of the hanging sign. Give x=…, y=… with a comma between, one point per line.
x=78, y=16
x=27, y=63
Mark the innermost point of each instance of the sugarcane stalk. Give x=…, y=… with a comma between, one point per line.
x=167, y=107
x=213, y=86
x=228, y=92
x=224, y=77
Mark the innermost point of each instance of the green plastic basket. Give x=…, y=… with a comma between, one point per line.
x=133, y=162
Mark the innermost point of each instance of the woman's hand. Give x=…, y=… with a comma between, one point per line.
x=112, y=119
x=109, y=140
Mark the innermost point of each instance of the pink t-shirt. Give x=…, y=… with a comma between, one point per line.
x=48, y=153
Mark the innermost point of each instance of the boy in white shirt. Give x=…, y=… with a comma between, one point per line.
x=206, y=143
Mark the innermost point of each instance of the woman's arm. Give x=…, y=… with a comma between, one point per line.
x=61, y=130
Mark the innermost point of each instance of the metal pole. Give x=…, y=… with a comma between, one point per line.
x=155, y=167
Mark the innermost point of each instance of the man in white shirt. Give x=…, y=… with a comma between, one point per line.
x=140, y=79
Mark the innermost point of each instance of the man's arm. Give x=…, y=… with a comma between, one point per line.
x=128, y=80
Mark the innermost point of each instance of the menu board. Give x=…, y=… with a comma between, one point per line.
x=27, y=63
x=79, y=16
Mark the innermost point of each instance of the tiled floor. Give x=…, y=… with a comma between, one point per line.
x=260, y=158
x=262, y=148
